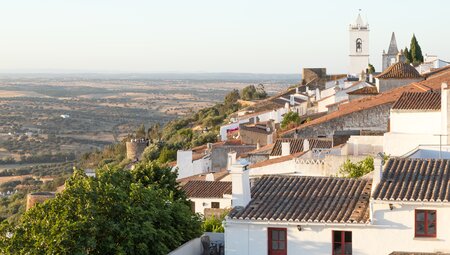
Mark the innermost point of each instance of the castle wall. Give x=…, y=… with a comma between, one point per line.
x=135, y=149
x=38, y=197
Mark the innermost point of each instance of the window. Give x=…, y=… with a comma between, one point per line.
x=192, y=206
x=342, y=242
x=358, y=45
x=277, y=241
x=215, y=204
x=425, y=223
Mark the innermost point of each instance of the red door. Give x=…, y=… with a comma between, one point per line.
x=277, y=241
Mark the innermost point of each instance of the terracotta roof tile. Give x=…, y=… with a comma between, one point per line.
x=307, y=199
x=399, y=70
x=296, y=145
x=201, y=177
x=418, y=101
x=369, y=90
x=433, y=82
x=277, y=160
x=406, y=179
x=206, y=189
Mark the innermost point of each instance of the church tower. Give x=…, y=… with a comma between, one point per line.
x=359, y=46
x=390, y=57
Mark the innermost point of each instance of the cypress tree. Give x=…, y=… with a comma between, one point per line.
x=415, y=51
x=407, y=55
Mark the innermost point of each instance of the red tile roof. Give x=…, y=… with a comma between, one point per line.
x=207, y=189
x=429, y=100
x=433, y=82
x=296, y=145
x=372, y=90
x=399, y=70
x=307, y=199
x=277, y=160
x=201, y=177
x=417, y=180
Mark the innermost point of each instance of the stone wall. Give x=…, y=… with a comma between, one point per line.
x=309, y=74
x=375, y=118
x=38, y=197
x=135, y=149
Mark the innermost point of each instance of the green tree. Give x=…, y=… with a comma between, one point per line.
x=120, y=212
x=290, y=119
x=371, y=69
x=355, y=170
x=140, y=132
x=248, y=93
x=232, y=97
x=416, y=52
x=407, y=55
x=167, y=155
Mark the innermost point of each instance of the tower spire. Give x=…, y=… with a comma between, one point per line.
x=393, y=49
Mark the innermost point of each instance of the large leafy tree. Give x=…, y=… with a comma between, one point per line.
x=120, y=212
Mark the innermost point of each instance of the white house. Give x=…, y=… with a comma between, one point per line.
x=417, y=118
x=207, y=195
x=403, y=211
x=430, y=63
x=193, y=162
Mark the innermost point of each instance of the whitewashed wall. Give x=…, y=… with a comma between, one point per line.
x=363, y=145
x=392, y=231
x=187, y=167
x=428, y=122
x=398, y=144
x=202, y=203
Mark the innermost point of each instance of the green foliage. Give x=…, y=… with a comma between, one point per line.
x=120, y=212
x=290, y=119
x=140, y=132
x=407, y=55
x=253, y=93
x=416, y=52
x=214, y=224
x=232, y=97
x=355, y=170
x=371, y=69
x=167, y=155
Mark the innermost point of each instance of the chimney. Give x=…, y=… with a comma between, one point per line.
x=240, y=186
x=305, y=145
x=445, y=111
x=285, y=148
x=231, y=159
x=258, y=145
x=292, y=100
x=296, y=90
x=377, y=172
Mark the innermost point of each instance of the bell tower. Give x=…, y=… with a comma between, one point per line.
x=359, y=46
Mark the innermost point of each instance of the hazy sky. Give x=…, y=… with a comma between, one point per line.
x=208, y=36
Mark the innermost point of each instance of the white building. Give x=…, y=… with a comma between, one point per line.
x=208, y=197
x=193, y=162
x=417, y=118
x=430, y=63
x=401, y=211
x=358, y=46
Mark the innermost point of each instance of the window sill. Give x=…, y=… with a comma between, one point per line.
x=424, y=238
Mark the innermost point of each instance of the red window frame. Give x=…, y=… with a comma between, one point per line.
x=342, y=242
x=277, y=251
x=426, y=221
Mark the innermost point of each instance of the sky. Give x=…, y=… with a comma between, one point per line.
x=208, y=35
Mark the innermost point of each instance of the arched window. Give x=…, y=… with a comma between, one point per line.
x=358, y=45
